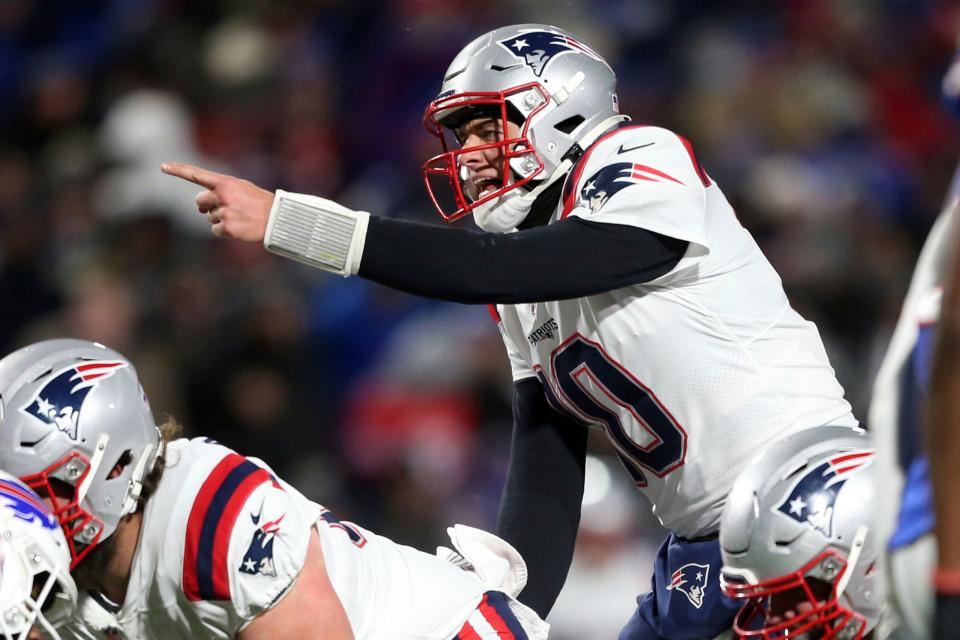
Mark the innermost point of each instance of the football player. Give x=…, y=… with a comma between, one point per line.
x=799, y=541
x=629, y=298
x=186, y=539
x=905, y=390
x=943, y=435
x=37, y=593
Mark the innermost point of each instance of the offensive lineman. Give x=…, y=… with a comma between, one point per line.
x=628, y=295
x=187, y=539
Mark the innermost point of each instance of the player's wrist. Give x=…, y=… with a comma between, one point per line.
x=947, y=581
x=316, y=231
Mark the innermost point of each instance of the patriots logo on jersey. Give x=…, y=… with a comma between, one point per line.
x=538, y=48
x=25, y=505
x=259, y=556
x=812, y=498
x=612, y=178
x=60, y=400
x=691, y=581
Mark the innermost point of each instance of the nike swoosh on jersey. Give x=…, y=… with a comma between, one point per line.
x=640, y=146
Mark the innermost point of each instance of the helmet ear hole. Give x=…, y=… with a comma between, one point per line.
x=567, y=126
x=125, y=459
x=61, y=489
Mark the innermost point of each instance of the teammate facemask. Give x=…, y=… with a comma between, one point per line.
x=797, y=605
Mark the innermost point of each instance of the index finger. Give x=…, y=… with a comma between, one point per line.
x=196, y=175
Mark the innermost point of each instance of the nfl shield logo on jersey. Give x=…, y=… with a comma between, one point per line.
x=259, y=556
x=60, y=400
x=812, y=498
x=691, y=580
x=537, y=48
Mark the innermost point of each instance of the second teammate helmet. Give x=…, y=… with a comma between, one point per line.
x=798, y=541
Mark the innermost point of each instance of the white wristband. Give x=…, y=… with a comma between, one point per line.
x=317, y=232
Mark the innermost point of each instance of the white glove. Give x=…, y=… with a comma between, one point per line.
x=494, y=561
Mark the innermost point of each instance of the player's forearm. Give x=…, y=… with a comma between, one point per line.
x=540, y=508
x=943, y=419
x=569, y=259
x=943, y=414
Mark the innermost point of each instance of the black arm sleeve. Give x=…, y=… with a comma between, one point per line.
x=540, y=507
x=568, y=259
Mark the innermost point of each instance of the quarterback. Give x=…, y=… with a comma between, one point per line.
x=177, y=538
x=629, y=297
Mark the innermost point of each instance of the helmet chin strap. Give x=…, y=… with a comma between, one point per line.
x=855, y=550
x=503, y=214
x=147, y=458
x=95, y=460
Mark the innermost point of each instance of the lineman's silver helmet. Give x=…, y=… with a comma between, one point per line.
x=798, y=541
x=561, y=94
x=75, y=425
x=36, y=590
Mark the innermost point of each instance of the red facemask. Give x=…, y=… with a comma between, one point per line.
x=446, y=170
x=815, y=611
x=73, y=518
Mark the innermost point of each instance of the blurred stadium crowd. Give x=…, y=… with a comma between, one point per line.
x=821, y=121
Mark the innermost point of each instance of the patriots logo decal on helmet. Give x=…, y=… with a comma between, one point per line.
x=26, y=505
x=60, y=400
x=537, y=48
x=259, y=556
x=812, y=498
x=614, y=177
x=691, y=581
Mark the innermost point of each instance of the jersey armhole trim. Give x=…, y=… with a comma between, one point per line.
x=704, y=178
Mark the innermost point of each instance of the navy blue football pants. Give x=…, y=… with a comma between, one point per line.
x=685, y=602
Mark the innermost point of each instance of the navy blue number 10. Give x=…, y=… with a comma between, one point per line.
x=595, y=389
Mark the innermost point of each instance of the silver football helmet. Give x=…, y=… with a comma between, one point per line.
x=560, y=93
x=798, y=541
x=36, y=590
x=75, y=425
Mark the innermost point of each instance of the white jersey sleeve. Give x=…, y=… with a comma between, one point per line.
x=644, y=177
x=246, y=540
x=268, y=547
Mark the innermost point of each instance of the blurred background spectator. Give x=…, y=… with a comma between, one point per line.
x=819, y=119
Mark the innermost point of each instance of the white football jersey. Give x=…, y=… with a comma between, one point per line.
x=223, y=539
x=689, y=374
x=905, y=520
x=920, y=313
